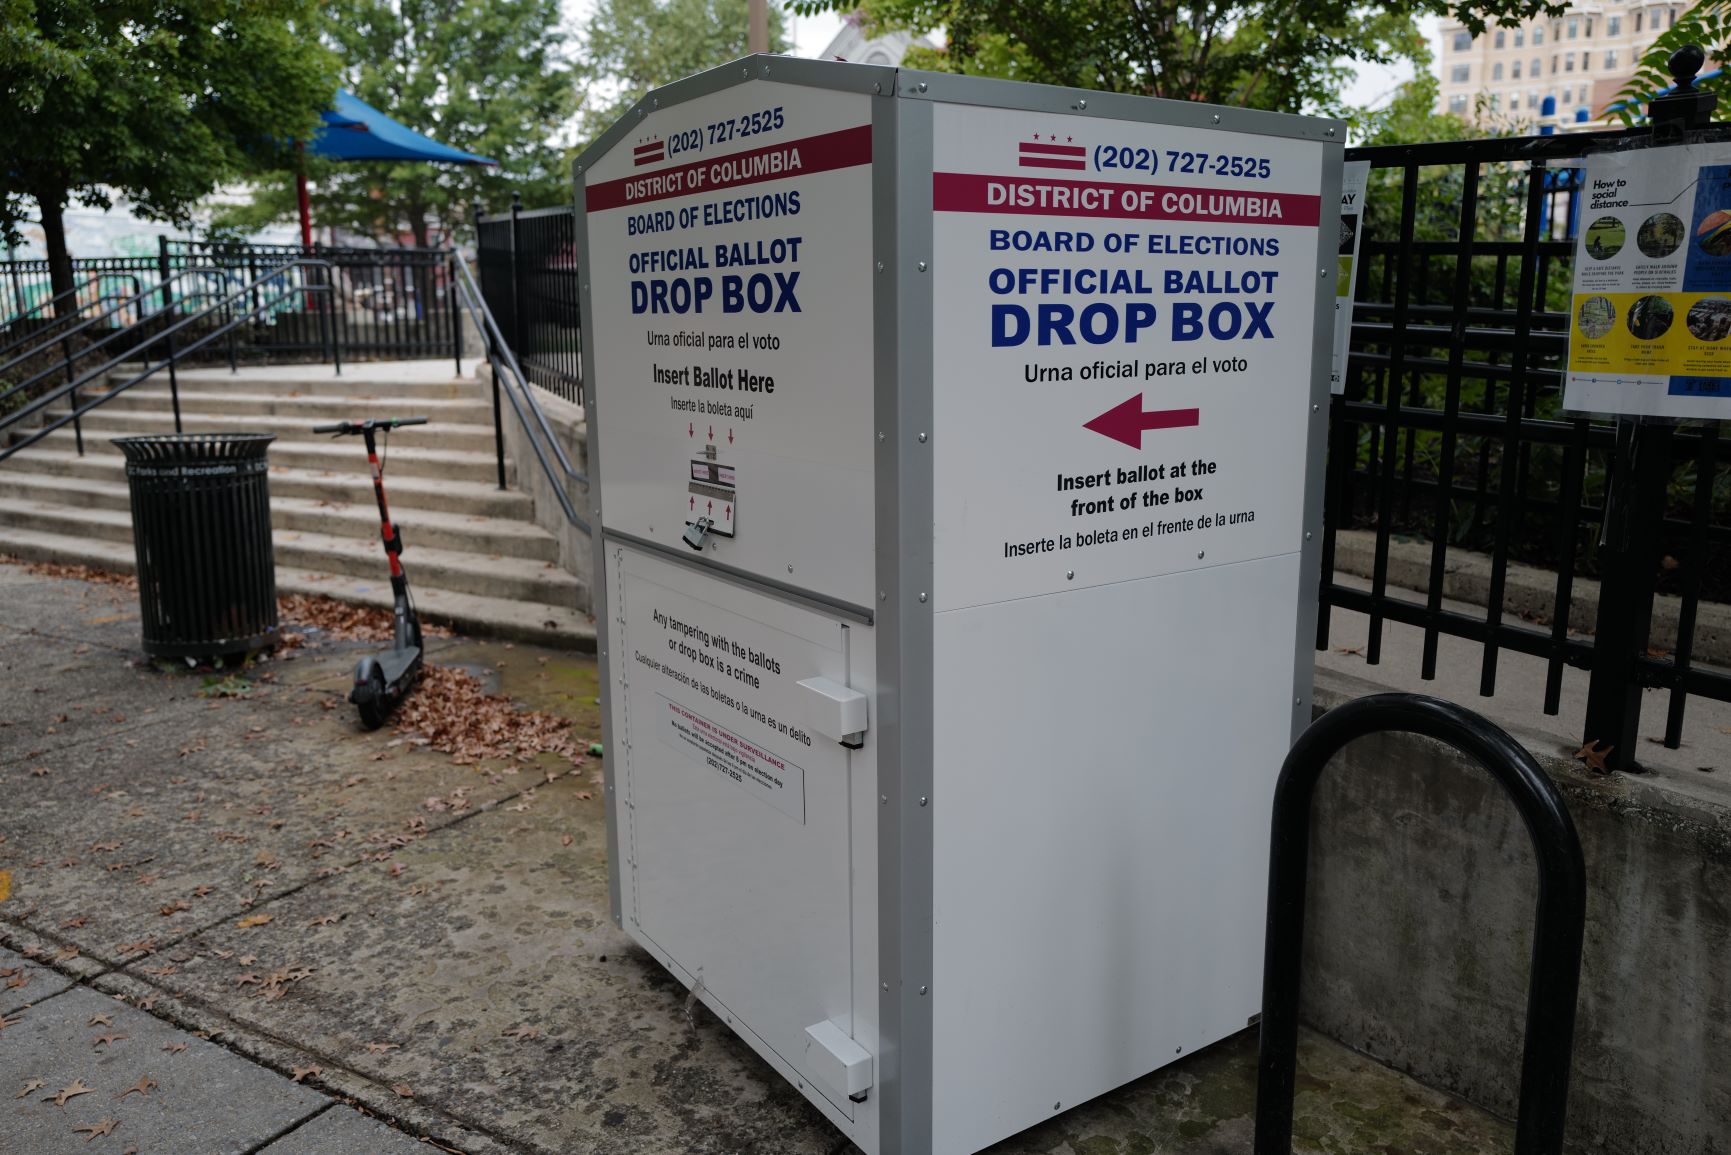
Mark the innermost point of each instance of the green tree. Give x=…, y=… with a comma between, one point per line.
x=631, y=46
x=154, y=100
x=1292, y=56
x=485, y=76
x=1708, y=24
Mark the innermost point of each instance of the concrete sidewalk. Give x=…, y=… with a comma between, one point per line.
x=245, y=925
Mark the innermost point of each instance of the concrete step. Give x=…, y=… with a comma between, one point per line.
x=552, y=624
x=111, y=421
x=421, y=528
x=99, y=479
x=450, y=565
x=309, y=409
x=431, y=380
x=342, y=458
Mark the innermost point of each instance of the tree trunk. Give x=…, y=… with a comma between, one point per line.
x=53, y=206
x=418, y=225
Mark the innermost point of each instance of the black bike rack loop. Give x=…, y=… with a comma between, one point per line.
x=1559, y=928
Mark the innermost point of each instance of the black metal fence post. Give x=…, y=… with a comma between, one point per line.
x=163, y=269
x=1560, y=919
x=516, y=274
x=451, y=309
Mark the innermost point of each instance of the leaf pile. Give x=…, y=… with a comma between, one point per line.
x=81, y=573
x=341, y=621
x=450, y=710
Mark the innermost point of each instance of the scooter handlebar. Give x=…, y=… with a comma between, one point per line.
x=343, y=428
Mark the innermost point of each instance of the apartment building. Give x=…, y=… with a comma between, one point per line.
x=1583, y=58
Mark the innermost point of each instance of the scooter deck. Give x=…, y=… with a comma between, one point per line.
x=393, y=664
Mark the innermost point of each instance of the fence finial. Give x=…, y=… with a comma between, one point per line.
x=1685, y=106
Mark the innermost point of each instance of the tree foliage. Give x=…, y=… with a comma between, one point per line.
x=631, y=46
x=156, y=100
x=485, y=76
x=1290, y=57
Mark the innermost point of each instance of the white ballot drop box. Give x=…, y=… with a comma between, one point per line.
x=956, y=486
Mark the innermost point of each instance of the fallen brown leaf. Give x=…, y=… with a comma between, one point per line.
x=32, y=1086
x=381, y=1048
x=303, y=1072
x=106, y=1127
x=253, y=920
x=103, y=1020
x=174, y=1048
x=522, y=1033
x=403, y=1089
x=142, y=1087
x=72, y=1091
x=105, y=1040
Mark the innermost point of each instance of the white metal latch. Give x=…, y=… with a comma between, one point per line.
x=835, y=711
x=833, y=1056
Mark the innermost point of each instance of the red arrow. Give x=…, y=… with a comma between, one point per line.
x=712, y=507
x=730, y=435
x=729, y=516
x=691, y=431
x=1126, y=422
x=694, y=503
x=712, y=433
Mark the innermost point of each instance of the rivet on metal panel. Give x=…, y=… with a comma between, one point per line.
x=789, y=569
x=1315, y=408
x=877, y=88
x=1069, y=575
x=922, y=439
x=924, y=800
x=1081, y=106
x=922, y=266
x=1179, y=1051
x=885, y=986
x=766, y=70
x=923, y=990
x=639, y=112
x=1328, y=132
x=880, y=266
x=922, y=86
x=1322, y=272
x=1306, y=535
x=882, y=596
x=880, y=435
x=1200, y=553
x=1215, y=118
x=579, y=168
x=656, y=103
x=1298, y=701
x=922, y=597
x=745, y=72
x=1057, y=1106
x=883, y=799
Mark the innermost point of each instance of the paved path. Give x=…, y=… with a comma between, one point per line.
x=247, y=926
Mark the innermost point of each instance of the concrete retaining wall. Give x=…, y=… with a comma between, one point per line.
x=1528, y=592
x=1420, y=932
x=573, y=433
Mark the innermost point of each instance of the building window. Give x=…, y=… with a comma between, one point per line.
x=1574, y=28
x=1497, y=70
x=1457, y=104
x=1532, y=98
x=1535, y=69
x=1460, y=73
x=1463, y=41
x=1538, y=37
x=1568, y=95
x=1638, y=16
x=1613, y=25
x=1611, y=60
x=1553, y=64
x=1672, y=23
x=1589, y=28
x=1515, y=72
x=1586, y=62
x=1569, y=62
x=1500, y=38
x=1520, y=37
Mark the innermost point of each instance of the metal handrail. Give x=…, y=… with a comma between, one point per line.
x=92, y=279
x=136, y=298
x=1560, y=920
x=237, y=318
x=516, y=390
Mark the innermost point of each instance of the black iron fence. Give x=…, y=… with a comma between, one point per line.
x=1452, y=432
x=385, y=303
x=528, y=267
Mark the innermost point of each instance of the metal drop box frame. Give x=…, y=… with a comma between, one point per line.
x=954, y=841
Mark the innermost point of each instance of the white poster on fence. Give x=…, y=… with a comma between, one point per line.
x=1355, y=178
x=1650, y=319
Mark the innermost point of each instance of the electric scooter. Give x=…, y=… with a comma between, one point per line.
x=382, y=680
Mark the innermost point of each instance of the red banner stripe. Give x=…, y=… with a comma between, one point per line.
x=960, y=192
x=1054, y=149
x=1052, y=162
x=825, y=152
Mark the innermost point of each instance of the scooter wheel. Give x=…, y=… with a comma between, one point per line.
x=373, y=704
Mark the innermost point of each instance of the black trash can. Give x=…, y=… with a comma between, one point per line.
x=201, y=525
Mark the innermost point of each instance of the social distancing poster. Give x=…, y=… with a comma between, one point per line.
x=1650, y=317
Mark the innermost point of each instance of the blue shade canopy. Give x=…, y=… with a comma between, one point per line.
x=355, y=130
